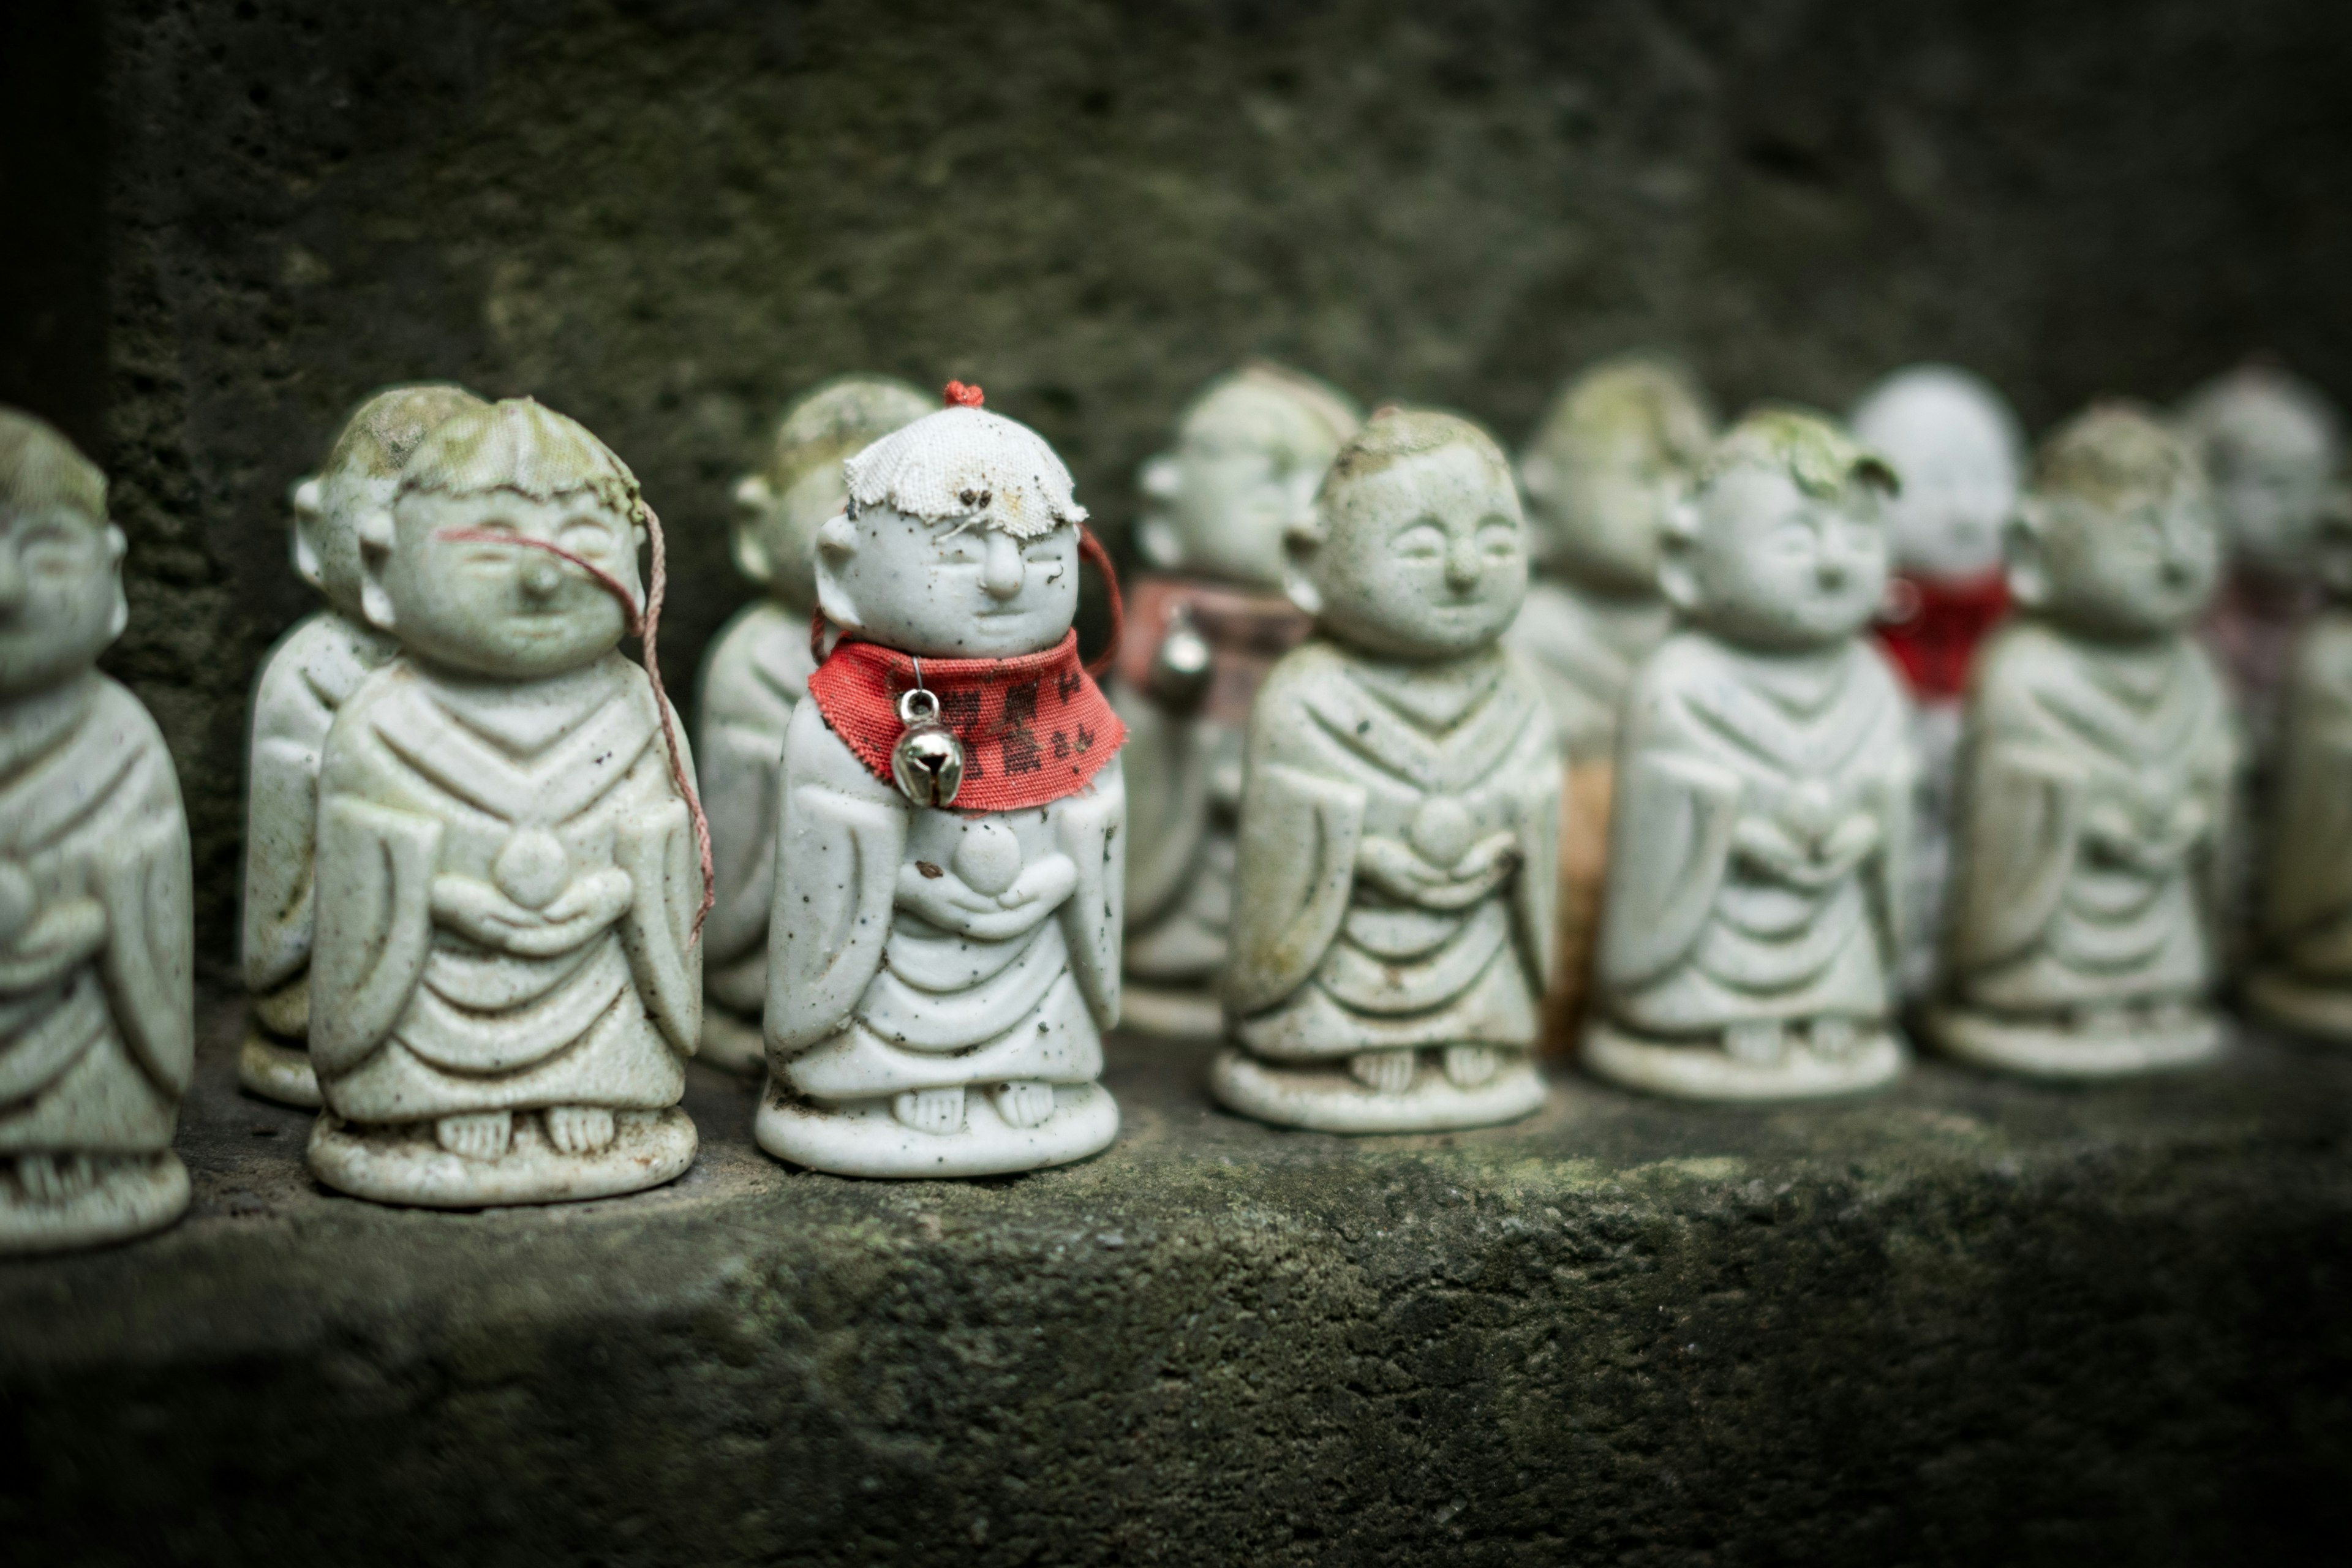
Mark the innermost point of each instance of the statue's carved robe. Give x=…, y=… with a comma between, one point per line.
x=507, y=883
x=97, y=945
x=2308, y=912
x=1584, y=650
x=1345, y=750
x=1696, y=935
x=889, y=970
x=1184, y=777
x=757, y=672
x=304, y=681
x=2071, y=744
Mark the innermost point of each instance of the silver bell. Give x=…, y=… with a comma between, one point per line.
x=1184, y=668
x=926, y=763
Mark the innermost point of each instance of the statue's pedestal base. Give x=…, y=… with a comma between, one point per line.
x=1325, y=1099
x=405, y=1165
x=867, y=1141
x=2048, y=1051
x=731, y=1043
x=1705, y=1072
x=2294, y=1003
x=1170, y=1012
x=126, y=1197
x=278, y=1071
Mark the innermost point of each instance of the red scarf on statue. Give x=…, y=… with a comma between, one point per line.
x=1034, y=729
x=1934, y=628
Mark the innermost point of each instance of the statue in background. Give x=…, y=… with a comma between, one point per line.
x=1757, y=885
x=304, y=681
x=1203, y=630
x=1958, y=447
x=2099, y=763
x=97, y=941
x=1393, y=901
x=2304, y=976
x=505, y=979
x=943, y=950
x=1615, y=451
x=757, y=670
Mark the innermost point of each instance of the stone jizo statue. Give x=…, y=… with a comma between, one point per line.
x=97, y=943
x=505, y=981
x=1613, y=455
x=304, y=681
x=939, y=974
x=2099, y=760
x=2303, y=974
x=1392, y=901
x=1957, y=446
x=1756, y=886
x=756, y=672
x=1203, y=627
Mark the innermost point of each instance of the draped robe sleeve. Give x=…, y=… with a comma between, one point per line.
x=144, y=882
x=840, y=836
x=1535, y=890
x=374, y=922
x=1296, y=860
x=1092, y=916
x=1669, y=844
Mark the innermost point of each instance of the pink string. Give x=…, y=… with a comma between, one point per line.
x=645, y=624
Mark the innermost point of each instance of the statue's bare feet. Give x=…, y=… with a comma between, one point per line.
x=933, y=1110
x=53, y=1178
x=2105, y=1020
x=1467, y=1066
x=1023, y=1104
x=1833, y=1039
x=2171, y=1016
x=1384, y=1072
x=578, y=1129
x=477, y=1135
x=1760, y=1041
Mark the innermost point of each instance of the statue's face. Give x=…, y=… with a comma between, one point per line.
x=1958, y=492
x=506, y=609
x=1426, y=558
x=1607, y=498
x=780, y=532
x=2268, y=488
x=948, y=589
x=1770, y=565
x=60, y=595
x=2141, y=569
x=1220, y=504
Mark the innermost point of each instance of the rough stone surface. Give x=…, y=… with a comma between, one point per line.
x=1969, y=1322
x=667, y=216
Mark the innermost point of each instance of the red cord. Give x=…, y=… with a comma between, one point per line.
x=645, y=624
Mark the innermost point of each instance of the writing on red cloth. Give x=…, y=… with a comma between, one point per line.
x=1034, y=729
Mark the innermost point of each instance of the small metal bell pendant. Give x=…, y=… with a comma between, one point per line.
x=926, y=763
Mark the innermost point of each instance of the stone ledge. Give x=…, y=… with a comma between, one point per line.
x=1966, y=1321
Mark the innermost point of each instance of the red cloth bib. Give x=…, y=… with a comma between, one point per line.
x=1034, y=729
x=1935, y=642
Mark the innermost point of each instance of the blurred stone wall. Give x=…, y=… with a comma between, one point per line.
x=666, y=216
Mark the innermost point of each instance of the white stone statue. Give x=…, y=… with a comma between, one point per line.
x=1614, y=452
x=1392, y=901
x=97, y=941
x=1203, y=630
x=756, y=672
x=943, y=950
x=505, y=984
x=1960, y=451
x=312, y=672
x=2271, y=444
x=2099, y=759
x=1756, y=886
x=2303, y=977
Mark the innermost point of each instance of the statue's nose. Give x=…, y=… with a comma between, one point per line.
x=1000, y=571
x=1463, y=567
x=540, y=579
x=1830, y=576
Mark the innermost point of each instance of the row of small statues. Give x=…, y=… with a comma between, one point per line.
x=1363, y=799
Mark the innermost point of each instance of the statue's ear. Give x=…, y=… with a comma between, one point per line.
x=836, y=542
x=1302, y=546
x=309, y=520
x=116, y=548
x=1156, y=541
x=1678, y=557
x=1160, y=479
x=375, y=537
x=2024, y=546
x=755, y=499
